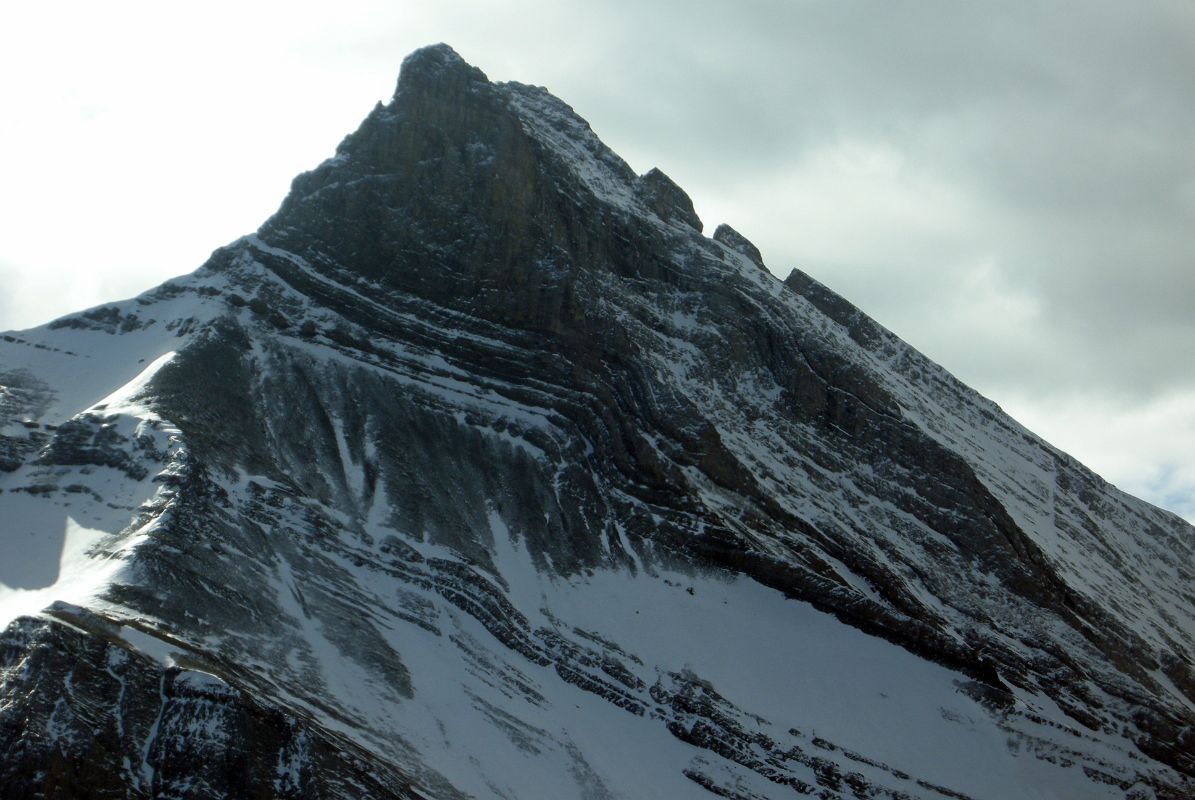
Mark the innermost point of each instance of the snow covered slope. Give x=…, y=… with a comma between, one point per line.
x=479, y=471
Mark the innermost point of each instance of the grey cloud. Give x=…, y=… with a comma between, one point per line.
x=1070, y=123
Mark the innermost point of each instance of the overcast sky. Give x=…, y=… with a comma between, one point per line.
x=1008, y=186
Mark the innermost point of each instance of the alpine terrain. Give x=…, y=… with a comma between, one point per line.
x=480, y=471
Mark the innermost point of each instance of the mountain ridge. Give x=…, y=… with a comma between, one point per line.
x=474, y=346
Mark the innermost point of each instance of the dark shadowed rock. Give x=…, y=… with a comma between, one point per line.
x=667, y=200
x=738, y=243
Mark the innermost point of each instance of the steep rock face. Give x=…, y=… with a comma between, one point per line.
x=479, y=430
x=202, y=737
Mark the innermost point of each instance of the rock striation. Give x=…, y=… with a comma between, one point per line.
x=478, y=471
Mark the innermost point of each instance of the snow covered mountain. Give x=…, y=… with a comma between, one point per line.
x=479, y=471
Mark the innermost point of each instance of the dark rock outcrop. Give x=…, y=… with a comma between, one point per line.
x=739, y=243
x=125, y=726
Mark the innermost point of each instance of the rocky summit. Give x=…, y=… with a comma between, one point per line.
x=479, y=470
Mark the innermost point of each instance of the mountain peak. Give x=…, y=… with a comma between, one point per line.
x=437, y=68
x=479, y=472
